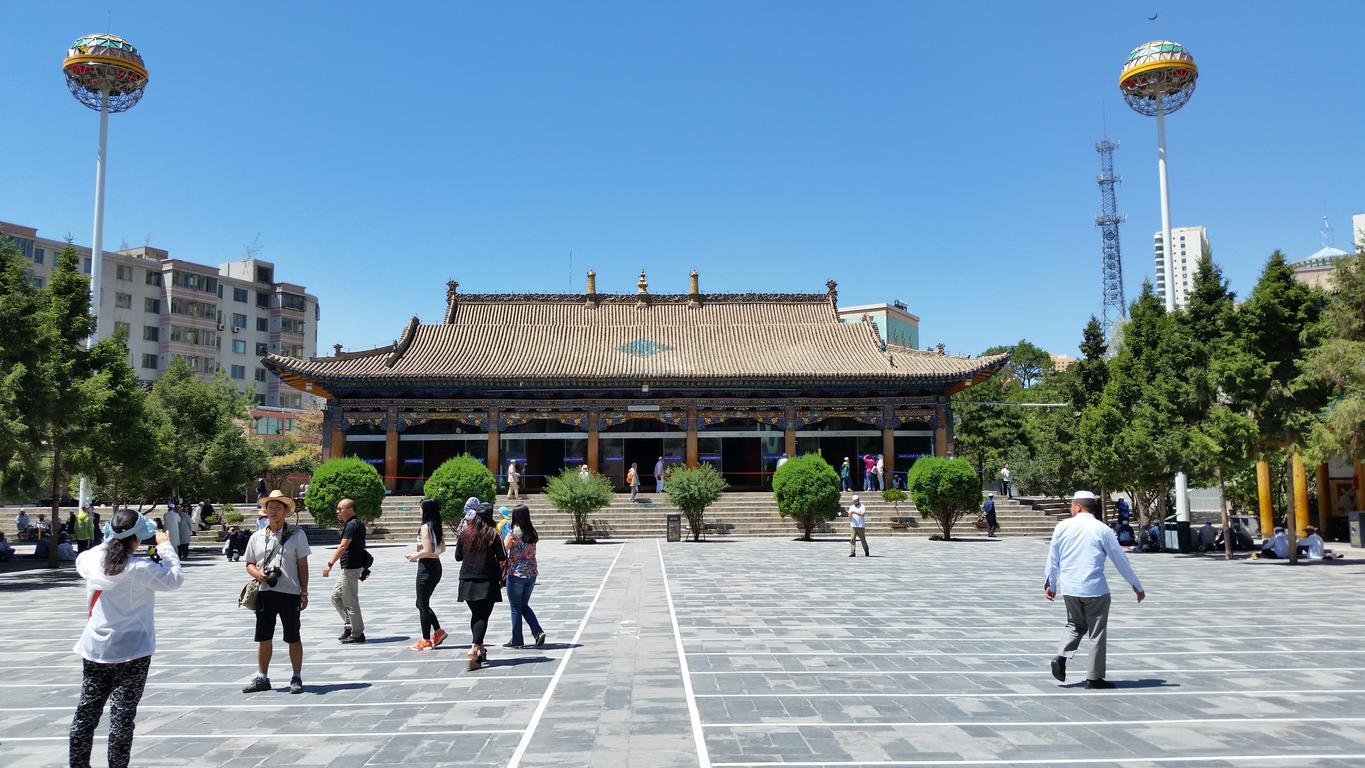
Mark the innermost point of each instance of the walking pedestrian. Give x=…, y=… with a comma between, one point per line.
x=472, y=505
x=277, y=558
x=1004, y=475
x=845, y=476
x=171, y=520
x=430, y=546
x=119, y=638
x=350, y=554
x=658, y=476
x=881, y=472
x=988, y=511
x=260, y=488
x=522, y=571
x=857, y=521
x=1075, y=569
x=869, y=469
x=85, y=527
x=513, y=480
x=480, y=554
x=633, y=480
x=186, y=534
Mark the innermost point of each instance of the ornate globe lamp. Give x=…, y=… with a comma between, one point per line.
x=1158, y=78
x=103, y=72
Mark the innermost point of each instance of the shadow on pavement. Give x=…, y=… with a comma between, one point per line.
x=393, y=639
x=323, y=690
x=516, y=661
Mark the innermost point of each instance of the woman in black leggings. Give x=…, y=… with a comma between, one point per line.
x=430, y=546
x=481, y=554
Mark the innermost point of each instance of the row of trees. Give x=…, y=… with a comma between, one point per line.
x=1208, y=390
x=68, y=411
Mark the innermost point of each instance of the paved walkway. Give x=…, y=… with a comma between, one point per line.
x=758, y=653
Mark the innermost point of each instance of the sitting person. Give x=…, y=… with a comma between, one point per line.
x=1312, y=546
x=43, y=525
x=1125, y=533
x=40, y=549
x=1241, y=539
x=66, y=551
x=236, y=542
x=24, y=525
x=6, y=551
x=1204, y=539
x=1277, y=546
x=1151, y=539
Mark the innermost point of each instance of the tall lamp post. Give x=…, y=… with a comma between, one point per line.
x=105, y=73
x=1158, y=78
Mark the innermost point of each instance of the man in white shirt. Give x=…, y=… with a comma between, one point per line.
x=1312, y=547
x=173, y=527
x=1005, y=482
x=1075, y=568
x=1277, y=546
x=659, y=475
x=857, y=520
x=22, y=524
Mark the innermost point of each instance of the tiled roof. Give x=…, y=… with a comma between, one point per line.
x=521, y=339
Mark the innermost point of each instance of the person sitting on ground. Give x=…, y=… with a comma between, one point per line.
x=1312, y=546
x=1241, y=539
x=1150, y=540
x=43, y=525
x=65, y=550
x=236, y=542
x=1277, y=546
x=23, y=524
x=40, y=548
x=6, y=551
x=1125, y=533
x=1206, y=537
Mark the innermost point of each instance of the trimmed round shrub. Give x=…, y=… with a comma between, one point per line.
x=348, y=478
x=944, y=490
x=233, y=518
x=807, y=490
x=692, y=490
x=455, y=481
x=578, y=498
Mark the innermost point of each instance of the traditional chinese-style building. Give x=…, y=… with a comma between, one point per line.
x=607, y=380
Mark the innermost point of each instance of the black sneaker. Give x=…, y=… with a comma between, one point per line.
x=352, y=639
x=296, y=684
x=1059, y=668
x=513, y=645
x=257, y=685
x=540, y=640
x=345, y=633
x=1100, y=684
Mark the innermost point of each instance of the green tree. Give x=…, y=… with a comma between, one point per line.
x=943, y=490
x=457, y=480
x=208, y=422
x=345, y=478
x=20, y=472
x=987, y=430
x=807, y=490
x=895, y=497
x=579, y=497
x=692, y=490
x=1029, y=363
x=1337, y=364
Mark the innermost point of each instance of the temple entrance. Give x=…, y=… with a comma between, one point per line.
x=644, y=451
x=639, y=441
x=743, y=450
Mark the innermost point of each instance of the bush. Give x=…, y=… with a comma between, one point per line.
x=578, y=497
x=233, y=518
x=348, y=478
x=692, y=490
x=895, y=497
x=455, y=481
x=807, y=490
x=944, y=490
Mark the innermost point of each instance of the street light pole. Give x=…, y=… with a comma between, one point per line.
x=1182, y=496
x=97, y=247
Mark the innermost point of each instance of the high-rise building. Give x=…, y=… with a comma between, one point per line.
x=1188, y=244
x=1358, y=227
x=894, y=322
x=226, y=317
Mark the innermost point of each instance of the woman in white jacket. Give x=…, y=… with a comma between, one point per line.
x=120, y=635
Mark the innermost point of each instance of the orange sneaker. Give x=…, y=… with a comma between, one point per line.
x=438, y=638
x=422, y=645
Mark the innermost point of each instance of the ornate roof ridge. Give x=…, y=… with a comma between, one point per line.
x=633, y=298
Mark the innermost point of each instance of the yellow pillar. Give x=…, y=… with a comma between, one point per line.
x=1300, y=496
x=941, y=417
x=594, y=444
x=889, y=457
x=789, y=433
x=692, y=436
x=391, y=450
x=1263, y=491
x=1324, y=501
x=493, y=437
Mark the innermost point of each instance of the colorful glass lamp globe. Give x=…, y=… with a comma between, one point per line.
x=1158, y=77
x=103, y=65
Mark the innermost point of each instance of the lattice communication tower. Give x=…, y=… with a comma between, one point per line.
x=1113, y=306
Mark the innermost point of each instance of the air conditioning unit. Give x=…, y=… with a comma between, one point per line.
x=220, y=326
x=236, y=329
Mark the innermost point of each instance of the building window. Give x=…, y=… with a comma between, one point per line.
x=290, y=325
x=149, y=361
x=200, y=364
x=193, y=309
x=264, y=274
x=293, y=301
x=35, y=281
x=239, y=371
x=261, y=349
x=123, y=300
x=151, y=333
x=197, y=336
x=291, y=350
x=260, y=374
x=123, y=272
x=269, y=425
x=88, y=264
x=262, y=299
x=194, y=282
x=154, y=278
x=260, y=399
x=242, y=295
x=238, y=321
x=37, y=255
x=239, y=346
x=263, y=324
x=291, y=400
x=119, y=325
x=152, y=305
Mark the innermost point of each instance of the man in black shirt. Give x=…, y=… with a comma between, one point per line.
x=350, y=553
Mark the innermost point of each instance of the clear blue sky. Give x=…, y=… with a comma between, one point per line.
x=939, y=153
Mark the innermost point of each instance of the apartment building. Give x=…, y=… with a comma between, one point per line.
x=1187, y=244
x=226, y=317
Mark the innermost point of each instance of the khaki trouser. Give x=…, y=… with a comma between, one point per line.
x=1086, y=617
x=346, y=599
x=859, y=534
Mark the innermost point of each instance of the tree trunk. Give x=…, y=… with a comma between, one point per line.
x=56, y=502
x=1223, y=510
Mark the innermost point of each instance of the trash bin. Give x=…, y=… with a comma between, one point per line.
x=1357, y=523
x=675, y=527
x=1177, y=537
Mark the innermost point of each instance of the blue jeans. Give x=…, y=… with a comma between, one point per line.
x=519, y=598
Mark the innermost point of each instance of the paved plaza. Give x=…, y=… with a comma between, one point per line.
x=757, y=652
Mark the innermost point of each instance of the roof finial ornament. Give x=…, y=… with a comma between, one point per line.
x=939, y=348
x=592, y=283
x=643, y=284
x=693, y=289
x=832, y=291
x=336, y=350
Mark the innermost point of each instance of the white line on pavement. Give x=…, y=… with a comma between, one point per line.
x=330, y=736
x=776, y=724
x=1234, y=759
x=291, y=704
x=1121, y=690
x=998, y=672
x=314, y=683
x=912, y=653
x=559, y=671
x=703, y=756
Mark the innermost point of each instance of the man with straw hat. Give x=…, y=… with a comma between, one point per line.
x=277, y=557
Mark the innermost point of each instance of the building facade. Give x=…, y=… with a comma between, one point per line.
x=895, y=324
x=1316, y=270
x=1188, y=244
x=609, y=380
x=226, y=317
